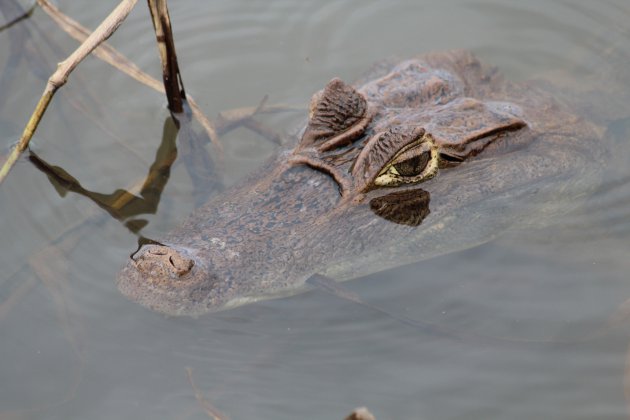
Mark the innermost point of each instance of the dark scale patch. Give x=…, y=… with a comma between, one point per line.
x=408, y=207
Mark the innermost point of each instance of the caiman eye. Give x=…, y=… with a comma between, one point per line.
x=415, y=163
x=397, y=156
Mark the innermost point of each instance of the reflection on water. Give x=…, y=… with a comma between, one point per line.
x=72, y=347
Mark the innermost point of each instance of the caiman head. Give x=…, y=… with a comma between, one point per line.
x=433, y=155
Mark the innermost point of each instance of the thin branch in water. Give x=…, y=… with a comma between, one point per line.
x=117, y=60
x=231, y=119
x=60, y=77
x=210, y=409
x=264, y=130
x=246, y=112
x=104, y=51
x=108, y=54
x=173, y=83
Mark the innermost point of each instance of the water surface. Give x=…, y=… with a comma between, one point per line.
x=72, y=347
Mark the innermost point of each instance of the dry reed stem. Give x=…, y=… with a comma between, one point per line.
x=117, y=60
x=227, y=119
x=173, y=84
x=60, y=77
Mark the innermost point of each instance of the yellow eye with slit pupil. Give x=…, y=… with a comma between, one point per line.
x=414, y=165
x=396, y=156
x=417, y=162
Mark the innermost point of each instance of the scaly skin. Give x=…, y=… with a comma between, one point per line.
x=504, y=155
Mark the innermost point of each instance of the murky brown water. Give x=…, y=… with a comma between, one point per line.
x=72, y=347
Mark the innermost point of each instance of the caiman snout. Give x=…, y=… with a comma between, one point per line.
x=158, y=261
x=169, y=279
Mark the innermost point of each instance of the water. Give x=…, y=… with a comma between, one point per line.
x=72, y=347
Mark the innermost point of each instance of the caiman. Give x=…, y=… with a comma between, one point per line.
x=423, y=157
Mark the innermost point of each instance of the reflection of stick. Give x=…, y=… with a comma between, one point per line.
x=125, y=198
x=60, y=77
x=16, y=16
x=114, y=58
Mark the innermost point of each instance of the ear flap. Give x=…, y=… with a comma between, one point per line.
x=339, y=114
x=379, y=150
x=408, y=207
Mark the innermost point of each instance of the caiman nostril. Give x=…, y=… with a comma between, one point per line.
x=163, y=262
x=181, y=264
